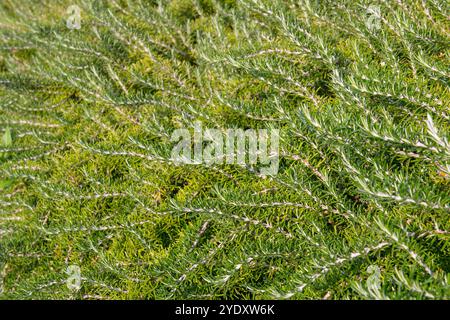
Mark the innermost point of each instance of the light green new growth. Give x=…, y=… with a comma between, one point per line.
x=359, y=208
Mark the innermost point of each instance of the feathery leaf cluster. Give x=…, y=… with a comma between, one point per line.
x=86, y=176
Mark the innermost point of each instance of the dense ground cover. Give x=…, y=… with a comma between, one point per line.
x=359, y=207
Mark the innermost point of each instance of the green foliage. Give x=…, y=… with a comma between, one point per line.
x=359, y=208
x=6, y=138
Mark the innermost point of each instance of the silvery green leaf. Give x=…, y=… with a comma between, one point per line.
x=7, y=139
